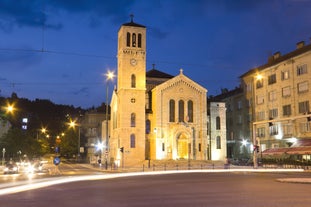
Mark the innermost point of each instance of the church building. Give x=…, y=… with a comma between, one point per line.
x=154, y=115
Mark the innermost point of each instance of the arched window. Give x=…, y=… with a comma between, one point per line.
x=133, y=119
x=181, y=111
x=128, y=39
x=139, y=40
x=132, y=141
x=133, y=81
x=218, y=123
x=172, y=111
x=147, y=126
x=133, y=40
x=190, y=111
x=218, y=142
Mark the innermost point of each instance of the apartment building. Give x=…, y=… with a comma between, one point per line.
x=279, y=97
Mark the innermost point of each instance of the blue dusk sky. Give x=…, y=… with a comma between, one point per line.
x=61, y=49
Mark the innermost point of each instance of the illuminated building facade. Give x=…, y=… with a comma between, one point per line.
x=278, y=94
x=156, y=116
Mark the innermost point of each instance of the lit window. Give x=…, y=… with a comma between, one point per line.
x=260, y=99
x=285, y=75
x=272, y=95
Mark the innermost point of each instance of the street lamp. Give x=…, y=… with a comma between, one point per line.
x=110, y=75
x=3, y=155
x=73, y=124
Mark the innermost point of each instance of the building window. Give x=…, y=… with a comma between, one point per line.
x=272, y=79
x=181, y=110
x=303, y=87
x=286, y=91
x=133, y=40
x=272, y=95
x=260, y=116
x=305, y=127
x=163, y=147
x=148, y=127
x=218, y=123
x=199, y=147
x=239, y=105
x=133, y=81
x=285, y=75
x=273, y=130
x=304, y=107
x=133, y=119
x=261, y=132
x=128, y=39
x=218, y=142
x=172, y=111
x=139, y=40
x=273, y=113
x=287, y=110
x=190, y=111
x=302, y=69
x=260, y=99
x=133, y=141
x=259, y=83
x=287, y=129
x=239, y=119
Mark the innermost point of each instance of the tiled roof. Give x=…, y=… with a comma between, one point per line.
x=282, y=58
x=153, y=73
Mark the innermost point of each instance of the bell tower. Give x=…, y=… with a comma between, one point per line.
x=131, y=91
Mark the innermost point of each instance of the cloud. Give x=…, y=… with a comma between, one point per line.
x=36, y=13
x=85, y=92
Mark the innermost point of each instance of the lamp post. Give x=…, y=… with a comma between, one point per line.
x=110, y=76
x=73, y=124
x=258, y=77
x=3, y=155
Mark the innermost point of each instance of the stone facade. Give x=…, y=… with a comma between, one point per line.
x=156, y=116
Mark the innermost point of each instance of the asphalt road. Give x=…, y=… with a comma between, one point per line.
x=183, y=189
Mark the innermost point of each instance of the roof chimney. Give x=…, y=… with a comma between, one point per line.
x=276, y=55
x=300, y=44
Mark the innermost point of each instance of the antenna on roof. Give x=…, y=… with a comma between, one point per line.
x=132, y=16
x=153, y=66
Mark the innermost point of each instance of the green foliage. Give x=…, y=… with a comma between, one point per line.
x=40, y=114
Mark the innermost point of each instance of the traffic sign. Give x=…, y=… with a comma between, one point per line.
x=56, y=160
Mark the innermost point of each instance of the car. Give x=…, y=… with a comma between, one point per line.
x=10, y=168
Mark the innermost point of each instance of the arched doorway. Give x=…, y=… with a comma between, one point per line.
x=182, y=146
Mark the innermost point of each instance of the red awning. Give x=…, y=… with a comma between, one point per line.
x=275, y=151
x=299, y=150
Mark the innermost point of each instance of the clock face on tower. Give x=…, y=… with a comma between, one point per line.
x=133, y=62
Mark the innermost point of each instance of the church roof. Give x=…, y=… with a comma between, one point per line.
x=153, y=73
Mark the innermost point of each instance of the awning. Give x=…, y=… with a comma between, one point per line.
x=290, y=151
x=299, y=150
x=275, y=151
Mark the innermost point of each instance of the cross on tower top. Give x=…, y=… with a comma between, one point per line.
x=132, y=16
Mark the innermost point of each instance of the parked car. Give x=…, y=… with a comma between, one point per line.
x=10, y=168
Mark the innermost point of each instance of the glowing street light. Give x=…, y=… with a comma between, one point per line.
x=110, y=75
x=73, y=124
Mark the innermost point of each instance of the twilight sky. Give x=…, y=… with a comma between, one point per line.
x=61, y=49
